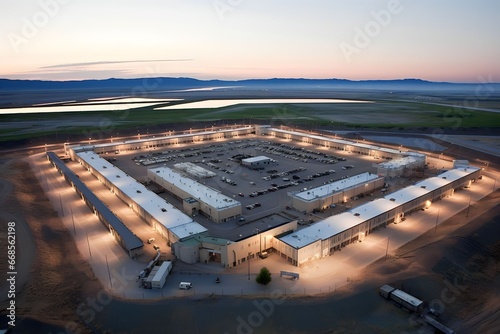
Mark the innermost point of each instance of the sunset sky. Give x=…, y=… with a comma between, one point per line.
x=437, y=40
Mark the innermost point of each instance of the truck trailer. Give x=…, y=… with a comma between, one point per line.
x=160, y=277
x=402, y=298
x=412, y=304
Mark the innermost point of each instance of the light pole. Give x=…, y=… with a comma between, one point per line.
x=109, y=274
x=88, y=244
x=468, y=207
x=60, y=201
x=387, y=248
x=437, y=218
x=73, y=218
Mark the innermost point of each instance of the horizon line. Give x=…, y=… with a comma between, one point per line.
x=249, y=79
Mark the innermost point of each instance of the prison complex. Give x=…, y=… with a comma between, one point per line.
x=190, y=241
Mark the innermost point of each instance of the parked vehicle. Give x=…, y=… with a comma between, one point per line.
x=185, y=285
x=402, y=298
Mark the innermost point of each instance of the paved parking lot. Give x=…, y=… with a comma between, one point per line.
x=310, y=166
x=264, y=194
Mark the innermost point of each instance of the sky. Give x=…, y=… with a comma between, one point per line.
x=436, y=40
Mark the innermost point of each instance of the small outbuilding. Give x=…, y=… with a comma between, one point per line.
x=257, y=162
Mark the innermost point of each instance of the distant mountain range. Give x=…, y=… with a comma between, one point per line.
x=186, y=83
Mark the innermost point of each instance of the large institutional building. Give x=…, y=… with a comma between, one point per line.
x=196, y=197
x=327, y=236
x=190, y=241
x=322, y=197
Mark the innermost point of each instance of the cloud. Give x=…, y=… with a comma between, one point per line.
x=69, y=75
x=93, y=63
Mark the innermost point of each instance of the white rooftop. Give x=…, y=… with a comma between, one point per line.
x=162, y=270
x=194, y=170
x=423, y=187
x=187, y=230
x=335, y=187
x=373, y=209
x=340, y=141
x=322, y=230
x=153, y=139
x=202, y=193
x=401, y=162
x=407, y=297
x=164, y=212
x=339, y=223
x=256, y=159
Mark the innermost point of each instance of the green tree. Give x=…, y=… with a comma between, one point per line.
x=264, y=277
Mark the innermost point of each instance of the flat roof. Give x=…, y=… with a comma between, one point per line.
x=164, y=212
x=401, y=162
x=215, y=240
x=407, y=297
x=198, y=191
x=373, y=209
x=162, y=270
x=301, y=238
x=187, y=230
x=340, y=141
x=336, y=224
x=153, y=139
x=256, y=159
x=130, y=240
x=335, y=187
x=194, y=170
x=423, y=187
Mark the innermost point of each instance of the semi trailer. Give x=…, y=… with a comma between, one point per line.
x=413, y=304
x=402, y=298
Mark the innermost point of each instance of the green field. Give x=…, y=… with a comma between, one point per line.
x=382, y=114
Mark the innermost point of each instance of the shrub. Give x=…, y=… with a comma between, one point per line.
x=264, y=276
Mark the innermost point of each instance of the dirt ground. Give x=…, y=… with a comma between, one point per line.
x=456, y=269
x=58, y=279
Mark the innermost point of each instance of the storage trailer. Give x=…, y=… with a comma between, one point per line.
x=402, y=298
x=412, y=304
x=160, y=277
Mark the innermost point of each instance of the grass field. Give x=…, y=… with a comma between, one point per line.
x=383, y=114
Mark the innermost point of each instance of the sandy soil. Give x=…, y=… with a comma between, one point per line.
x=59, y=278
x=455, y=270
x=487, y=144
